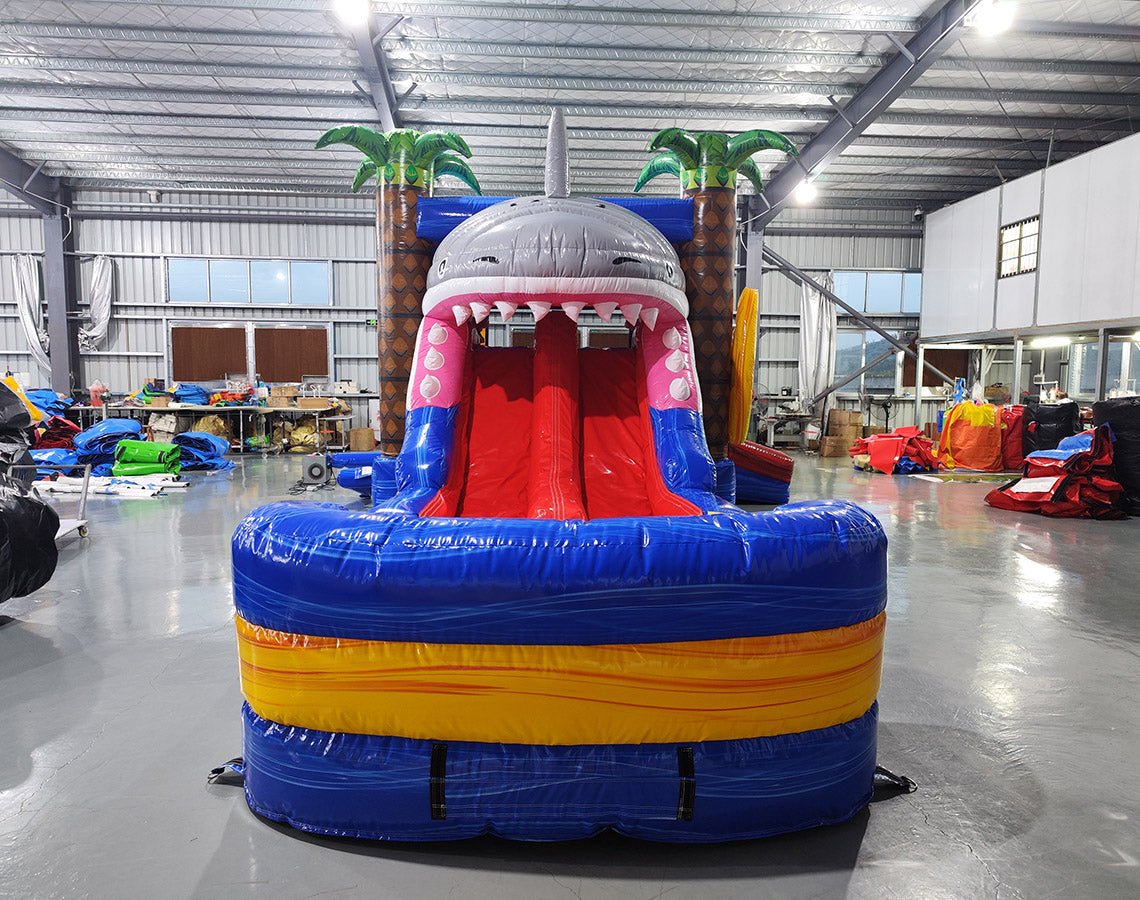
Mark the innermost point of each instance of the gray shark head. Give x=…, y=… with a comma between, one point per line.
x=556, y=237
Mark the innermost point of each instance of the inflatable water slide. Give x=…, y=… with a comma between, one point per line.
x=552, y=625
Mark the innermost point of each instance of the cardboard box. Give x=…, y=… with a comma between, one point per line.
x=843, y=418
x=869, y=430
x=279, y=402
x=835, y=446
x=361, y=440
x=314, y=402
x=283, y=390
x=159, y=402
x=849, y=434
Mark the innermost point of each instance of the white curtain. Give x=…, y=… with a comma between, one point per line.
x=29, y=303
x=989, y=356
x=817, y=345
x=102, y=283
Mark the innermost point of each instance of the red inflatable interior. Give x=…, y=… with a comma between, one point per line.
x=556, y=432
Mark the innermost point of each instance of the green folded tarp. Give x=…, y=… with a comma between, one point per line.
x=146, y=452
x=142, y=468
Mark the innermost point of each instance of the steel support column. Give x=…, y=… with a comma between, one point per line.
x=1102, y=364
x=861, y=111
x=1015, y=385
x=919, y=367
x=366, y=40
x=62, y=297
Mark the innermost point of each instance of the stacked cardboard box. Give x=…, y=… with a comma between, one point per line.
x=869, y=430
x=844, y=427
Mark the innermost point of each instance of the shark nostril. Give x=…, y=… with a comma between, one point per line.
x=494, y=260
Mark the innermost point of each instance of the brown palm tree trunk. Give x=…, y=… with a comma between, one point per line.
x=402, y=265
x=707, y=261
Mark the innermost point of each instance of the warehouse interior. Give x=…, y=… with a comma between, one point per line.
x=547, y=395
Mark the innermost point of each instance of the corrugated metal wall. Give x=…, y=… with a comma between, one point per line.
x=137, y=344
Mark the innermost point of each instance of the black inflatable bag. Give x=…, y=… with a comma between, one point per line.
x=1046, y=425
x=1122, y=415
x=28, y=554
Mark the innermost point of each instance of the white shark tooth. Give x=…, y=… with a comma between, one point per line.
x=433, y=360
x=437, y=334
x=649, y=317
x=675, y=361
x=631, y=311
x=671, y=339
x=573, y=310
x=461, y=313
x=480, y=311
x=539, y=307
x=679, y=389
x=429, y=387
x=605, y=310
x=506, y=310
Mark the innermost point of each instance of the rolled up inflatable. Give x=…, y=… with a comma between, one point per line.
x=129, y=451
x=122, y=469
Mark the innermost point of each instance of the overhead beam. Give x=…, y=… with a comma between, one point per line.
x=366, y=41
x=868, y=105
x=27, y=183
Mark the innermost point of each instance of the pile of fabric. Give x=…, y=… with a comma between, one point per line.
x=48, y=402
x=1075, y=481
x=971, y=437
x=15, y=421
x=146, y=458
x=202, y=451
x=56, y=433
x=192, y=394
x=96, y=446
x=901, y=452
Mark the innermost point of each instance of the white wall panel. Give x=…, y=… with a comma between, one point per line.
x=960, y=267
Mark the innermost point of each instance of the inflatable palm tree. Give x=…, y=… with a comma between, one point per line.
x=708, y=164
x=406, y=164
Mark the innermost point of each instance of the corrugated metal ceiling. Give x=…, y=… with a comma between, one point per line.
x=230, y=96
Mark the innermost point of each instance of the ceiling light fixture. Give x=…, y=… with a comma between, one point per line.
x=806, y=192
x=991, y=16
x=353, y=13
x=1045, y=343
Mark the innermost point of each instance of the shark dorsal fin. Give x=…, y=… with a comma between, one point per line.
x=557, y=158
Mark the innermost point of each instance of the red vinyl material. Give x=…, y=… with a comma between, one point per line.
x=1012, y=425
x=555, y=481
x=761, y=460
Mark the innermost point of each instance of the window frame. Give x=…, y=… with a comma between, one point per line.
x=249, y=302
x=1019, y=255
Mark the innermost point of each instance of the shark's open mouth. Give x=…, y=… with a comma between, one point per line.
x=557, y=431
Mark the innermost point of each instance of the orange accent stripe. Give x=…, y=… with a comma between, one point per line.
x=555, y=694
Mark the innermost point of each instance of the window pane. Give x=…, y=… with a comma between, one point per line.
x=851, y=287
x=186, y=281
x=1030, y=227
x=1010, y=233
x=1008, y=266
x=310, y=283
x=1029, y=244
x=912, y=292
x=848, y=356
x=1029, y=263
x=884, y=292
x=1130, y=388
x=881, y=378
x=269, y=280
x=229, y=281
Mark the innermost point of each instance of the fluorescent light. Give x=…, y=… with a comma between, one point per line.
x=353, y=13
x=1043, y=343
x=991, y=16
x=806, y=192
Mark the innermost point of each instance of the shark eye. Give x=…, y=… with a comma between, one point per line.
x=669, y=270
x=494, y=260
x=442, y=265
x=622, y=260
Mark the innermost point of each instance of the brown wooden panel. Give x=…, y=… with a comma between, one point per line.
x=288, y=354
x=608, y=340
x=955, y=363
x=207, y=354
x=521, y=338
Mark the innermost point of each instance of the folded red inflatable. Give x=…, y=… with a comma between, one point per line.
x=56, y=433
x=1075, y=481
x=904, y=450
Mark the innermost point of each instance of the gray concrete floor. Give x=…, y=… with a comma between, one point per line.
x=1011, y=694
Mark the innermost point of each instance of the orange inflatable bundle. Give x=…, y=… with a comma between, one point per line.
x=971, y=437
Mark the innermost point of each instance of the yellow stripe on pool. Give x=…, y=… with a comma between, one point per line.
x=684, y=691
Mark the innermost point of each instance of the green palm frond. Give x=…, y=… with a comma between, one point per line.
x=366, y=170
x=665, y=163
x=744, y=145
x=713, y=148
x=430, y=145
x=371, y=143
x=749, y=170
x=681, y=143
x=449, y=164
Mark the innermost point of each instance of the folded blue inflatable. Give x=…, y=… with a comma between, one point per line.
x=55, y=457
x=203, y=451
x=48, y=402
x=96, y=445
x=191, y=393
